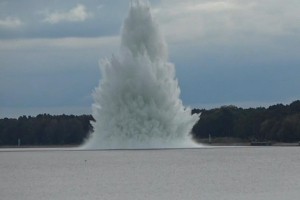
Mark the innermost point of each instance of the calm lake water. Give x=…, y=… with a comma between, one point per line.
x=266, y=173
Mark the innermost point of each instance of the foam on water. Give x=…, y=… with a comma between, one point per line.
x=137, y=102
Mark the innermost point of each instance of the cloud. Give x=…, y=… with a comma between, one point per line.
x=64, y=43
x=229, y=21
x=215, y=6
x=76, y=14
x=10, y=23
x=188, y=7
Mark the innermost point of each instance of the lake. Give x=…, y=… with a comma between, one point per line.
x=239, y=173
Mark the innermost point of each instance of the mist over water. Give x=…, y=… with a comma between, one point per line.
x=137, y=102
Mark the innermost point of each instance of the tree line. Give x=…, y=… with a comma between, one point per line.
x=45, y=129
x=277, y=123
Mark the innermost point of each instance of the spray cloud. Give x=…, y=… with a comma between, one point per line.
x=137, y=102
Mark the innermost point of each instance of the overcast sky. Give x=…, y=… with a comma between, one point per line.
x=245, y=53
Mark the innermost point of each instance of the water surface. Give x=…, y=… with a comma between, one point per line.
x=208, y=173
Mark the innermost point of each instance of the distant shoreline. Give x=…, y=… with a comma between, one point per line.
x=229, y=141
x=212, y=144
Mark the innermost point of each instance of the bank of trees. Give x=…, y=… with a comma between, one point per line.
x=45, y=129
x=278, y=123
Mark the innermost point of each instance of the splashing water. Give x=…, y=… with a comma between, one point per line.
x=137, y=103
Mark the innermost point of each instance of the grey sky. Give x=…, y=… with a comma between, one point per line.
x=225, y=52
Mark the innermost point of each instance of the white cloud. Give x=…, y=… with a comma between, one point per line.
x=224, y=21
x=76, y=14
x=214, y=6
x=10, y=23
x=190, y=6
x=61, y=43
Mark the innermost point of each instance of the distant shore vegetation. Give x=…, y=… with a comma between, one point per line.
x=277, y=123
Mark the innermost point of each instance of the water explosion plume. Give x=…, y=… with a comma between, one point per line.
x=137, y=102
